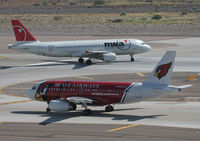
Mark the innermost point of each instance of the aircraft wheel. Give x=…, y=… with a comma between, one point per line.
x=109, y=108
x=74, y=107
x=80, y=60
x=132, y=59
x=88, y=62
x=48, y=110
x=87, y=112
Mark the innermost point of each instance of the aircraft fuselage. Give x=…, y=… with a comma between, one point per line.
x=79, y=48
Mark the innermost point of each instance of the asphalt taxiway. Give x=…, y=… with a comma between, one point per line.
x=98, y=132
x=152, y=120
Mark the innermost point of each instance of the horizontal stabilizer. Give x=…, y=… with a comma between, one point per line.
x=170, y=88
x=182, y=86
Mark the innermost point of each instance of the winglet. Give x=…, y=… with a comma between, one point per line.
x=21, y=33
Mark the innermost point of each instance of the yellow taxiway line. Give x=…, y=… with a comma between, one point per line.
x=140, y=74
x=1, y=91
x=121, y=128
x=83, y=77
x=14, y=102
x=1, y=122
x=4, y=57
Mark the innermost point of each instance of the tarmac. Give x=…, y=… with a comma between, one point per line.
x=170, y=118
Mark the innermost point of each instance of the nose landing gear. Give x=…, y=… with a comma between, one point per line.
x=132, y=59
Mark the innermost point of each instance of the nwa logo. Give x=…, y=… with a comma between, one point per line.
x=162, y=70
x=121, y=45
x=21, y=33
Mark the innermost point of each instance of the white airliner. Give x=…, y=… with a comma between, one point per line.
x=105, y=50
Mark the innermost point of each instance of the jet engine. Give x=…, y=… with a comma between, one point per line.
x=109, y=57
x=60, y=105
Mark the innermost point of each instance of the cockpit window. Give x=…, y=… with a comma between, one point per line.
x=34, y=87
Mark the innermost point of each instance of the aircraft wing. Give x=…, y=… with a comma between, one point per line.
x=91, y=54
x=79, y=100
x=94, y=54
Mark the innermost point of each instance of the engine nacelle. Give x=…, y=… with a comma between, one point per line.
x=59, y=105
x=109, y=57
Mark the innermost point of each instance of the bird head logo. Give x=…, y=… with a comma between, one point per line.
x=162, y=70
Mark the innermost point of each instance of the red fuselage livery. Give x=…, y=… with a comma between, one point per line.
x=102, y=93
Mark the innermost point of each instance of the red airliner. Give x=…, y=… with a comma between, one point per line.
x=65, y=95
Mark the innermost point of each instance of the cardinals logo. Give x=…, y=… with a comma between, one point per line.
x=162, y=70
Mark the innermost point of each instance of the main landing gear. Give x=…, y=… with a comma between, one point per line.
x=88, y=62
x=86, y=112
x=48, y=110
x=132, y=59
x=109, y=108
x=74, y=107
x=81, y=60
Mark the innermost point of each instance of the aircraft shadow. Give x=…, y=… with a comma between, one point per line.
x=54, y=117
x=76, y=64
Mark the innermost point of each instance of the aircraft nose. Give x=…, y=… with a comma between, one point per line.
x=147, y=48
x=31, y=94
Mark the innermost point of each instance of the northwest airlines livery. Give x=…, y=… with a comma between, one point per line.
x=105, y=50
x=65, y=95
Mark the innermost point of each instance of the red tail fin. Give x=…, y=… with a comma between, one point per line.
x=21, y=33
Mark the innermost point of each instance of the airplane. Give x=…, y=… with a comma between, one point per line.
x=64, y=96
x=105, y=50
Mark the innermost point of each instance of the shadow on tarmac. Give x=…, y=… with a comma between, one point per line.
x=56, y=117
x=76, y=64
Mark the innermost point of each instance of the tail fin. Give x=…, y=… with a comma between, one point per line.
x=21, y=33
x=161, y=75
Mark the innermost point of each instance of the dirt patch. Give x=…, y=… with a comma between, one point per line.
x=136, y=8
